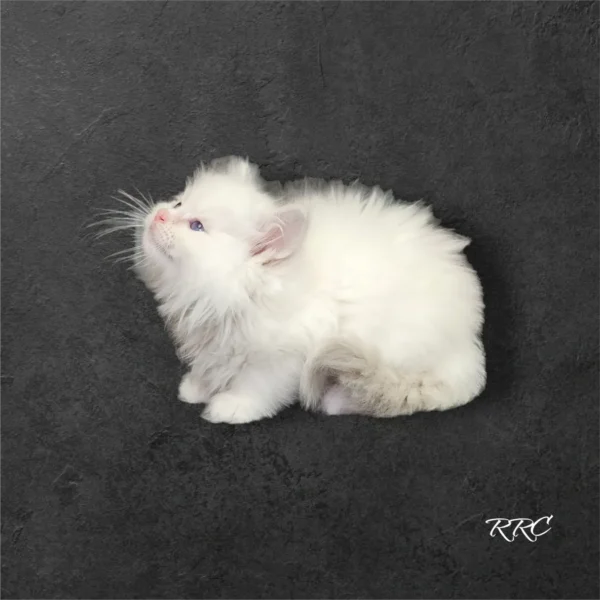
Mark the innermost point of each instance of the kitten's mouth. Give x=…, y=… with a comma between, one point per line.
x=161, y=238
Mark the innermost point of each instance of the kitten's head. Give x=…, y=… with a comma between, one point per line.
x=218, y=238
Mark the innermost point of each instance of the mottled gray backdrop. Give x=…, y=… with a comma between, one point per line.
x=111, y=488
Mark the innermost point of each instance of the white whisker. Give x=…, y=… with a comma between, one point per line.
x=117, y=212
x=146, y=201
x=120, y=221
x=132, y=208
x=110, y=230
x=139, y=203
x=128, y=251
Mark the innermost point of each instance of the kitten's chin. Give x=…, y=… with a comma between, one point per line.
x=154, y=249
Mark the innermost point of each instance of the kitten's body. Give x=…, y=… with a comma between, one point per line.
x=361, y=304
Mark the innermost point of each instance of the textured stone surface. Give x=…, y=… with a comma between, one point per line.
x=113, y=489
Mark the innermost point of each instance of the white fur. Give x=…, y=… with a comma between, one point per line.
x=325, y=284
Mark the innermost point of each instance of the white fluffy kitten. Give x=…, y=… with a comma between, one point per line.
x=358, y=303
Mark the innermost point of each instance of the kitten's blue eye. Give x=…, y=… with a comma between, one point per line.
x=196, y=226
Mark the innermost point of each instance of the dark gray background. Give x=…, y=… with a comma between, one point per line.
x=111, y=488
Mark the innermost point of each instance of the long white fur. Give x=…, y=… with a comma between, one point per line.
x=339, y=293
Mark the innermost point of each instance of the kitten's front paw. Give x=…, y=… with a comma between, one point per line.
x=231, y=408
x=190, y=392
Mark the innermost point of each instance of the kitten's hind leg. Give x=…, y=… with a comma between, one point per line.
x=338, y=401
x=368, y=385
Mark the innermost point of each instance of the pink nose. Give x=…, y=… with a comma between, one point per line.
x=162, y=216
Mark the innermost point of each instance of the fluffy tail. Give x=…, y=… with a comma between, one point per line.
x=375, y=388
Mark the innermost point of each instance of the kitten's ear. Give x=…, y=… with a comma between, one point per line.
x=282, y=234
